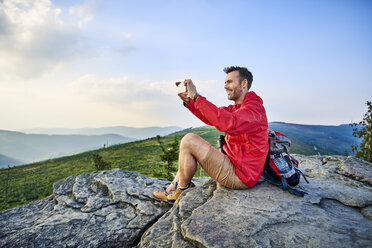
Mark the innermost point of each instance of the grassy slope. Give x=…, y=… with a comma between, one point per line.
x=327, y=139
x=34, y=181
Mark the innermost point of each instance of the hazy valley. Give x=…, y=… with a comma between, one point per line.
x=34, y=145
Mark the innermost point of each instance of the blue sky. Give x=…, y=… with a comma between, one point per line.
x=105, y=63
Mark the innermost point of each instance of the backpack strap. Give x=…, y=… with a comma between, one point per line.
x=260, y=182
x=268, y=178
x=302, y=173
x=221, y=142
x=293, y=191
x=283, y=185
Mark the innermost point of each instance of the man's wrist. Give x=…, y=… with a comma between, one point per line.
x=186, y=103
x=196, y=97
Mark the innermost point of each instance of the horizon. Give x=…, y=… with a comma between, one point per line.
x=92, y=63
x=271, y=122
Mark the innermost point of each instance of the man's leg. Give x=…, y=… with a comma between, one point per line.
x=192, y=149
x=172, y=186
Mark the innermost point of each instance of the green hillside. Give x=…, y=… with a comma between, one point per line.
x=34, y=181
x=318, y=139
x=36, y=147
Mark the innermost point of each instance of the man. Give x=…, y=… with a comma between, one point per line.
x=246, y=141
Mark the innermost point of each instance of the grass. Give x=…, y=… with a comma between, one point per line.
x=35, y=181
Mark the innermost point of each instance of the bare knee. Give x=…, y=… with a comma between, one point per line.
x=189, y=140
x=194, y=145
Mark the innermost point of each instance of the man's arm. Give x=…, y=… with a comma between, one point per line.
x=189, y=98
x=245, y=118
x=196, y=112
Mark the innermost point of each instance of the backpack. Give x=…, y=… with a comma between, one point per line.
x=281, y=169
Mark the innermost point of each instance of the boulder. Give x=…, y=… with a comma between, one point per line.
x=336, y=212
x=116, y=209
x=99, y=209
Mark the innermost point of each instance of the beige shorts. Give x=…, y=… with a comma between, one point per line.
x=219, y=167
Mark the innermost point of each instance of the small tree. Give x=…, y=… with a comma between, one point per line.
x=169, y=156
x=99, y=163
x=363, y=130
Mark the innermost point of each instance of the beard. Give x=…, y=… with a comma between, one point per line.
x=234, y=94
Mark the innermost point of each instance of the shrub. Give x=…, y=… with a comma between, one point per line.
x=99, y=163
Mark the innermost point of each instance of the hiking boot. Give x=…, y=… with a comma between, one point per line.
x=160, y=195
x=174, y=196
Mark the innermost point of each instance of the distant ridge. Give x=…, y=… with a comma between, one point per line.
x=130, y=132
x=26, y=148
x=5, y=161
x=306, y=125
x=307, y=139
x=323, y=139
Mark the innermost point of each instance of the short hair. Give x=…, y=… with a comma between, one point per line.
x=243, y=74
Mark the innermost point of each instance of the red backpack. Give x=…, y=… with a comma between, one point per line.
x=281, y=169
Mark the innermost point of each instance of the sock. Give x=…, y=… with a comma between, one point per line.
x=183, y=188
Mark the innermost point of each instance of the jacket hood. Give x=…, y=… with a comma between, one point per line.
x=252, y=96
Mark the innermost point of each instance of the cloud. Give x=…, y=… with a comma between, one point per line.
x=123, y=90
x=140, y=102
x=127, y=36
x=34, y=39
x=125, y=44
x=91, y=101
x=85, y=12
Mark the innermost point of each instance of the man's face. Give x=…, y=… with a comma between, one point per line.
x=233, y=88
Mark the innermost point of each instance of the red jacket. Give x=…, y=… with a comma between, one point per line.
x=246, y=131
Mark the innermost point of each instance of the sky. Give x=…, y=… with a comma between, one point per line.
x=95, y=63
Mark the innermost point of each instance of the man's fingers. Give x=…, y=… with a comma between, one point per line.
x=187, y=81
x=183, y=95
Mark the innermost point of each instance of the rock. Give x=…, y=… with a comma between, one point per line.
x=335, y=213
x=99, y=209
x=356, y=169
x=166, y=232
x=116, y=209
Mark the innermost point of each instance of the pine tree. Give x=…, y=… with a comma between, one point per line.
x=363, y=130
x=169, y=156
x=99, y=163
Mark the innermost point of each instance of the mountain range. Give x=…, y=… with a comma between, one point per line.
x=319, y=139
x=35, y=180
x=40, y=144
x=130, y=132
x=19, y=148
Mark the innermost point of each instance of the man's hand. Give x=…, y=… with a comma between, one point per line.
x=191, y=89
x=184, y=96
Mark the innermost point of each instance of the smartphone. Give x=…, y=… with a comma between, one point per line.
x=181, y=88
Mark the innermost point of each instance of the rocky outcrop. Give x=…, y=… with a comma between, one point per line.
x=116, y=209
x=335, y=213
x=100, y=209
